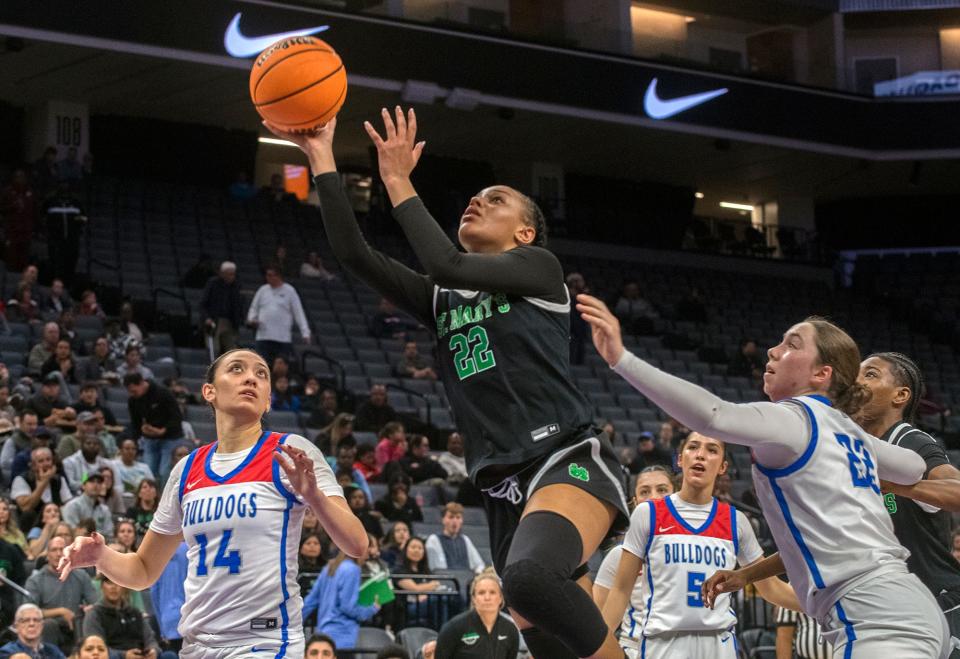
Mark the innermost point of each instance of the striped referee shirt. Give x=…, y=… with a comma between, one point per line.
x=807, y=641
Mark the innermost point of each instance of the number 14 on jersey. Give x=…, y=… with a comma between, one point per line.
x=224, y=558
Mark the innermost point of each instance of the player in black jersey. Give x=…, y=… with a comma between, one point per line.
x=896, y=384
x=501, y=314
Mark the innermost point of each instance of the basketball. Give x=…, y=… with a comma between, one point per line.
x=298, y=83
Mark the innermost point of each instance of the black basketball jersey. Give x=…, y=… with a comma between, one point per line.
x=921, y=528
x=506, y=367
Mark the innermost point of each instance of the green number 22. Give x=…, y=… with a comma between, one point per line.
x=471, y=352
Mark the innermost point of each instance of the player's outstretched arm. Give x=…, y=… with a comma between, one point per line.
x=398, y=154
x=778, y=433
x=619, y=596
x=136, y=571
x=941, y=488
x=728, y=581
x=343, y=527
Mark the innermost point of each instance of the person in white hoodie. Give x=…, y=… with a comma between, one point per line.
x=273, y=311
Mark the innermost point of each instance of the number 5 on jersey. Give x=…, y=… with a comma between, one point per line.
x=471, y=352
x=229, y=560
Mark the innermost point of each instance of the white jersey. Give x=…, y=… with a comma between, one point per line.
x=826, y=512
x=682, y=545
x=241, y=523
x=633, y=616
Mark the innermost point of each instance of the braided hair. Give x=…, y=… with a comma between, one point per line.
x=907, y=374
x=534, y=217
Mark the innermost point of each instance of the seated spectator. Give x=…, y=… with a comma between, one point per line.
x=283, y=398
x=68, y=332
x=39, y=485
x=180, y=391
x=122, y=626
x=6, y=409
x=374, y=567
x=132, y=363
x=129, y=326
x=156, y=417
x=388, y=323
x=10, y=531
x=41, y=352
x=50, y=404
x=323, y=406
x=346, y=456
x=110, y=494
x=635, y=312
x=89, y=459
x=320, y=646
x=748, y=362
x=100, y=367
x=240, y=190
x=88, y=506
x=496, y=635
x=126, y=535
x=392, y=445
x=145, y=503
x=132, y=471
x=167, y=595
x=393, y=544
x=89, y=305
x=452, y=460
x=310, y=558
x=420, y=611
x=43, y=438
x=60, y=601
x=22, y=308
x=21, y=440
x=721, y=489
x=340, y=430
x=71, y=443
x=366, y=462
x=28, y=623
x=46, y=528
x=398, y=505
x=360, y=506
x=4, y=373
x=92, y=647
x=375, y=412
x=419, y=465
x=451, y=549
x=57, y=300
x=313, y=268
x=283, y=369
x=649, y=453
x=89, y=401
x=334, y=599
x=413, y=365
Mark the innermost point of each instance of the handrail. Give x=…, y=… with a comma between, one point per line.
x=411, y=392
x=341, y=372
x=179, y=296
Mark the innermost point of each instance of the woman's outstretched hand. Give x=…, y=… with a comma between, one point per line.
x=604, y=326
x=399, y=153
x=316, y=143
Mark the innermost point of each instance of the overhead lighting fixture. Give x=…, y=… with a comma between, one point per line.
x=735, y=206
x=698, y=195
x=417, y=91
x=689, y=19
x=274, y=140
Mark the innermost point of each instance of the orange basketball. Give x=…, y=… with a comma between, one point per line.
x=298, y=83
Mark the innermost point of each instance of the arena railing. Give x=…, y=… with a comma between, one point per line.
x=416, y=394
x=339, y=371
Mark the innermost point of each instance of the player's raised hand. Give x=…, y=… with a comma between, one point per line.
x=604, y=326
x=399, y=153
x=316, y=143
x=721, y=581
x=298, y=467
x=82, y=552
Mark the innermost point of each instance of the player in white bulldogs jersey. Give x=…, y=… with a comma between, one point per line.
x=681, y=540
x=652, y=483
x=816, y=474
x=239, y=504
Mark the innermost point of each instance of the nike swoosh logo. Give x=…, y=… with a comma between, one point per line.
x=724, y=639
x=664, y=529
x=501, y=638
x=658, y=108
x=194, y=484
x=239, y=45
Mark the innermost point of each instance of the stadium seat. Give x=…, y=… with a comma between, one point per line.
x=414, y=638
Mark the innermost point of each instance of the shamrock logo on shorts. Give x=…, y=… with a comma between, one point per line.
x=578, y=472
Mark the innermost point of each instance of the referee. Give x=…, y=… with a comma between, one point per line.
x=896, y=385
x=798, y=632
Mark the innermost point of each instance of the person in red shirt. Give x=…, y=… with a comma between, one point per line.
x=392, y=445
x=366, y=462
